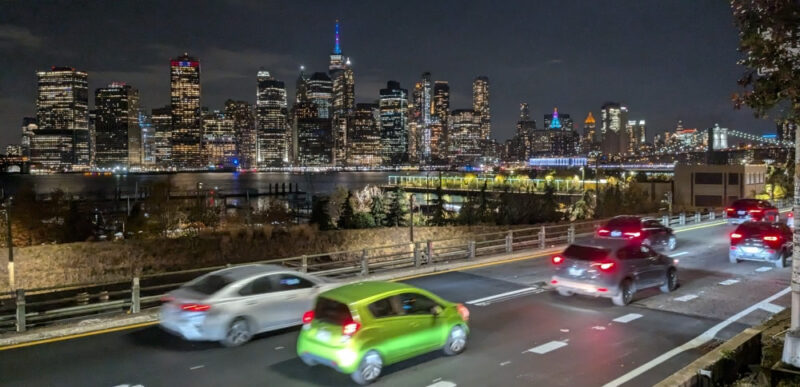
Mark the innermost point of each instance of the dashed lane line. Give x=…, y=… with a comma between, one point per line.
x=443, y=383
x=772, y=308
x=685, y=298
x=545, y=348
x=504, y=296
x=679, y=254
x=729, y=282
x=627, y=318
x=763, y=269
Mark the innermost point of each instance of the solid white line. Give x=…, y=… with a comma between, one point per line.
x=196, y=367
x=627, y=318
x=694, y=343
x=443, y=383
x=729, y=282
x=772, y=308
x=764, y=268
x=685, y=298
x=501, y=295
x=545, y=348
x=679, y=254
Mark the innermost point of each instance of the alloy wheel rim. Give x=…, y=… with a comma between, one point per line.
x=372, y=367
x=672, y=278
x=672, y=243
x=239, y=333
x=457, y=339
x=627, y=293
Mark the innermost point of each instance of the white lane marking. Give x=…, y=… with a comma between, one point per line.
x=599, y=328
x=545, y=348
x=704, y=337
x=197, y=367
x=679, y=254
x=278, y=348
x=685, y=298
x=505, y=363
x=627, y=318
x=772, y=308
x=514, y=293
x=764, y=268
x=729, y=282
x=443, y=383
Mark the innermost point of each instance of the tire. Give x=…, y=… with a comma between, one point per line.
x=308, y=361
x=671, y=282
x=732, y=259
x=625, y=294
x=780, y=263
x=369, y=369
x=564, y=292
x=456, y=341
x=672, y=243
x=238, y=333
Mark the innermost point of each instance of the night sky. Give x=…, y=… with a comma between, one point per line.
x=666, y=60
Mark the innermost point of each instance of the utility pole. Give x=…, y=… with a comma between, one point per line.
x=10, y=245
x=411, y=224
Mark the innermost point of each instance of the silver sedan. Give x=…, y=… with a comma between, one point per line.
x=231, y=305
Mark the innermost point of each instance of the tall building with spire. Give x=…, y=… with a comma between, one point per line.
x=343, y=98
x=589, y=142
x=271, y=110
x=480, y=105
x=187, y=132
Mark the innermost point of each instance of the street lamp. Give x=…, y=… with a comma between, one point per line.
x=583, y=177
x=10, y=242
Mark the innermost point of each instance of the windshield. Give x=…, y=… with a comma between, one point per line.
x=624, y=223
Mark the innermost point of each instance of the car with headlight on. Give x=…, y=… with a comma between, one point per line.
x=233, y=304
x=612, y=268
x=360, y=328
x=648, y=231
x=745, y=210
x=761, y=241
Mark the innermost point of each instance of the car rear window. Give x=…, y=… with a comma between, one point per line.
x=209, y=284
x=745, y=203
x=331, y=311
x=624, y=223
x=585, y=253
x=753, y=228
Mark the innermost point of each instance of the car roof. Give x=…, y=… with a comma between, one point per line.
x=358, y=291
x=612, y=244
x=246, y=271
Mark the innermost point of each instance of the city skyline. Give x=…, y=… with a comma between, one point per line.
x=528, y=77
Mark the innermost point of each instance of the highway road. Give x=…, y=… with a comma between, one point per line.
x=522, y=334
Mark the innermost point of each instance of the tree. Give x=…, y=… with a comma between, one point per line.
x=347, y=212
x=378, y=210
x=398, y=209
x=549, y=205
x=769, y=40
x=484, y=205
x=439, y=215
x=77, y=224
x=363, y=220
x=469, y=211
x=319, y=212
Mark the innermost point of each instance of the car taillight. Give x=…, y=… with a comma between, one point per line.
x=463, y=311
x=791, y=214
x=557, y=259
x=729, y=209
x=603, y=231
x=308, y=316
x=195, y=307
x=633, y=234
x=772, y=241
x=167, y=299
x=604, y=266
x=754, y=211
x=350, y=328
x=770, y=238
x=736, y=236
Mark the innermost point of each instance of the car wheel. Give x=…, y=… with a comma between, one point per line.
x=456, y=341
x=625, y=294
x=369, y=369
x=646, y=241
x=564, y=292
x=732, y=259
x=672, y=243
x=308, y=361
x=238, y=333
x=780, y=263
x=671, y=281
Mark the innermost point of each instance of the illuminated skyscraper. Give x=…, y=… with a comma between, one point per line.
x=271, y=111
x=364, y=136
x=394, y=124
x=118, y=136
x=314, y=137
x=320, y=93
x=343, y=98
x=440, y=115
x=62, y=109
x=589, y=143
x=420, y=123
x=480, y=104
x=244, y=128
x=28, y=127
x=522, y=142
x=635, y=130
x=186, y=116
x=465, y=137
x=613, y=118
x=162, y=127
x=219, y=140
x=558, y=121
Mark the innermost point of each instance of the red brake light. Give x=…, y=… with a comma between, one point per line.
x=771, y=238
x=308, y=316
x=463, y=311
x=603, y=231
x=729, y=209
x=557, y=259
x=604, y=266
x=633, y=234
x=736, y=236
x=195, y=307
x=602, y=289
x=791, y=214
x=350, y=328
x=755, y=211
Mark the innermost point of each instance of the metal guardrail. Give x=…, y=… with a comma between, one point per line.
x=26, y=308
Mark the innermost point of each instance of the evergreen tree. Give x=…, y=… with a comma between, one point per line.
x=347, y=212
x=484, y=205
x=439, y=215
x=549, y=204
x=469, y=211
x=319, y=213
x=378, y=211
x=398, y=210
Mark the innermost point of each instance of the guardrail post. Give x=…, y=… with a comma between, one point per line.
x=21, y=325
x=417, y=255
x=682, y=218
x=136, y=305
x=82, y=298
x=697, y=217
x=364, y=263
x=471, y=249
x=712, y=215
x=510, y=242
x=304, y=264
x=429, y=250
x=571, y=234
x=542, y=238
x=665, y=220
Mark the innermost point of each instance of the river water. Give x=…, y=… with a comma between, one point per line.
x=313, y=183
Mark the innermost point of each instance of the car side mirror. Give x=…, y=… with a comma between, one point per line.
x=436, y=310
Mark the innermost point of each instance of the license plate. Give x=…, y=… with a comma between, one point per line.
x=575, y=271
x=741, y=212
x=750, y=250
x=323, y=335
x=616, y=233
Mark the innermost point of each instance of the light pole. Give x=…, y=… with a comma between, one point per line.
x=10, y=242
x=411, y=229
x=583, y=177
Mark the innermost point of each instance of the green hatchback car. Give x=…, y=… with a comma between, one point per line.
x=359, y=328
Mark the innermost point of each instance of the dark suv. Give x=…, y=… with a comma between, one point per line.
x=761, y=241
x=744, y=210
x=614, y=269
x=648, y=231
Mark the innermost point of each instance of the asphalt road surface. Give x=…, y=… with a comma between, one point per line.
x=521, y=334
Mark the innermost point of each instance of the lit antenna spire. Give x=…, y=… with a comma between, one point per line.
x=336, y=49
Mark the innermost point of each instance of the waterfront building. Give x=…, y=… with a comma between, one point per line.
x=62, y=110
x=314, y=136
x=465, y=135
x=219, y=140
x=480, y=105
x=440, y=114
x=271, y=111
x=364, y=136
x=241, y=115
x=162, y=128
x=117, y=134
x=344, y=98
x=186, y=113
x=613, y=118
x=394, y=124
x=589, y=141
x=148, y=138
